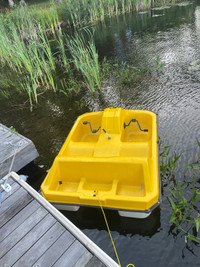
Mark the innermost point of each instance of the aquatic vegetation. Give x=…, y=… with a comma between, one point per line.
x=184, y=195
x=168, y=162
x=185, y=211
x=185, y=3
x=79, y=14
x=159, y=66
x=36, y=58
x=127, y=73
x=36, y=54
x=185, y=203
x=162, y=4
x=123, y=72
x=64, y=60
x=33, y=45
x=25, y=48
x=13, y=130
x=195, y=167
x=85, y=59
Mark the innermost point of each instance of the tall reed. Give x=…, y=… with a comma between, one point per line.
x=25, y=48
x=81, y=13
x=85, y=59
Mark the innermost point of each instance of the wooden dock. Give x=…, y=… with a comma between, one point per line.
x=34, y=233
x=14, y=146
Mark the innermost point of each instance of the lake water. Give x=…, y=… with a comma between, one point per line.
x=170, y=37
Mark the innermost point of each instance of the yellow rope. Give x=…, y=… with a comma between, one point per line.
x=108, y=230
x=110, y=233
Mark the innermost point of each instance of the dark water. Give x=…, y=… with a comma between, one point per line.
x=170, y=36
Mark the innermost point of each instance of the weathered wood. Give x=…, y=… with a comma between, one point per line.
x=41, y=246
x=12, y=205
x=78, y=234
x=9, y=141
x=56, y=250
x=84, y=259
x=94, y=262
x=22, y=230
x=12, y=143
x=18, y=219
x=9, y=201
x=5, y=195
x=71, y=256
x=33, y=233
x=27, y=241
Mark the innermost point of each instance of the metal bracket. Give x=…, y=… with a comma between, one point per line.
x=3, y=182
x=6, y=187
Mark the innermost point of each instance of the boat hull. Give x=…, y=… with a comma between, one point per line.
x=123, y=213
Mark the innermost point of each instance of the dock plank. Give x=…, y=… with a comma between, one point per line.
x=27, y=241
x=5, y=195
x=17, y=220
x=71, y=255
x=56, y=250
x=22, y=230
x=11, y=206
x=40, y=247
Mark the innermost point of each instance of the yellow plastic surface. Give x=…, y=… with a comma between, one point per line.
x=121, y=171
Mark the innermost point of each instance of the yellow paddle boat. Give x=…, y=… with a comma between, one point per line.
x=109, y=159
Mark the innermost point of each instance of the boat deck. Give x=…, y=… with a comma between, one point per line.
x=34, y=233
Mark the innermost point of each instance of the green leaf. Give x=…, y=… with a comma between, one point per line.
x=194, y=238
x=176, y=157
x=197, y=223
x=189, y=165
x=183, y=184
x=180, y=216
x=198, y=142
x=184, y=201
x=193, y=166
x=173, y=218
x=173, y=204
x=172, y=192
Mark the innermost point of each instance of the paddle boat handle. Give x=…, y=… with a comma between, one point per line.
x=134, y=120
x=93, y=131
x=107, y=134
